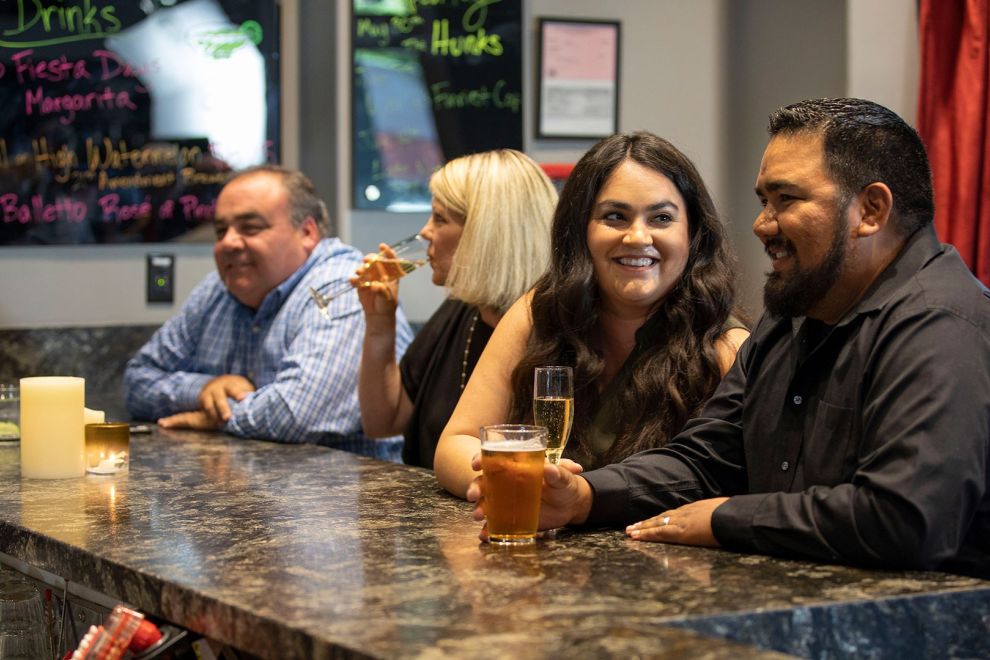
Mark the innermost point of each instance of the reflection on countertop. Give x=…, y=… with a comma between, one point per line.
x=298, y=551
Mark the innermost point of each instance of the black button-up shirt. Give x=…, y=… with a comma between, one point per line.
x=866, y=442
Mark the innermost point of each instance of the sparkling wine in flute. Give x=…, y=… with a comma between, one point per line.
x=557, y=414
x=553, y=406
x=410, y=254
x=382, y=269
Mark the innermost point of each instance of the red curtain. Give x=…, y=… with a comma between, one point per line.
x=954, y=122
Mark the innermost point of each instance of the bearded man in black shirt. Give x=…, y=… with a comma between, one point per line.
x=854, y=426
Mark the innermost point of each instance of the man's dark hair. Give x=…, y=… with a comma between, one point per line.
x=304, y=201
x=865, y=143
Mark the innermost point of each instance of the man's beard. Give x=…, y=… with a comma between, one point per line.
x=794, y=294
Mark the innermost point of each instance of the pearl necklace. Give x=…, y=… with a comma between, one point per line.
x=467, y=349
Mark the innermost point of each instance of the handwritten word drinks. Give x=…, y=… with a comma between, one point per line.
x=61, y=23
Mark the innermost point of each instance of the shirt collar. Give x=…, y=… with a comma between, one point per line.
x=277, y=296
x=918, y=250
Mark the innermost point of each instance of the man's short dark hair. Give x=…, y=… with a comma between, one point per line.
x=864, y=143
x=304, y=201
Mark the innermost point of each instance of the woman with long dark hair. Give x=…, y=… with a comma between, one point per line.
x=638, y=300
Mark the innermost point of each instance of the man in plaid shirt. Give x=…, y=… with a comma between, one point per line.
x=250, y=353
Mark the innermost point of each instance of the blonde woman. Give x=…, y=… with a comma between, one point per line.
x=489, y=233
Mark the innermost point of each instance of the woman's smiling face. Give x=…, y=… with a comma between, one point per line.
x=639, y=239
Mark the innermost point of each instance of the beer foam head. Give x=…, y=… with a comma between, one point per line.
x=513, y=437
x=524, y=444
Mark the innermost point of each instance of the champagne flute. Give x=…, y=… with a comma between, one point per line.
x=553, y=406
x=410, y=254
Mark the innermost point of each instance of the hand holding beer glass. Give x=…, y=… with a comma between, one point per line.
x=388, y=265
x=512, y=457
x=553, y=406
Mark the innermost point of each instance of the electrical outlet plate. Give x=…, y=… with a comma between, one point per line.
x=161, y=278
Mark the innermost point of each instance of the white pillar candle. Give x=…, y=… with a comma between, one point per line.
x=53, y=443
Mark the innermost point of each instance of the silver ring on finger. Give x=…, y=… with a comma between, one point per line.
x=665, y=520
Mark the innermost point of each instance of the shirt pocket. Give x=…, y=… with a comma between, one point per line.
x=830, y=447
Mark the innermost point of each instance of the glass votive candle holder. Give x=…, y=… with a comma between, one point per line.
x=107, y=447
x=24, y=631
x=10, y=412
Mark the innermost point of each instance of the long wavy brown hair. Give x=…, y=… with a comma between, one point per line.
x=679, y=369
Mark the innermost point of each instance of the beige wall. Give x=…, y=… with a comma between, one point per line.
x=702, y=73
x=778, y=51
x=882, y=58
x=672, y=76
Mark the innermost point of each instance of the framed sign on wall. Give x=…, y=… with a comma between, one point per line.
x=577, y=78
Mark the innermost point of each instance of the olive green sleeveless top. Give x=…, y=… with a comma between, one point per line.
x=605, y=419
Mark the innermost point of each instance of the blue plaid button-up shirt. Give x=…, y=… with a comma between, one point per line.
x=305, y=368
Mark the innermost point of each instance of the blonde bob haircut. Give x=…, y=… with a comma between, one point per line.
x=507, y=203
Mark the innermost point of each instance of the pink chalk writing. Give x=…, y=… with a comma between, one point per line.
x=112, y=66
x=114, y=211
x=39, y=211
x=56, y=70
x=69, y=104
x=194, y=209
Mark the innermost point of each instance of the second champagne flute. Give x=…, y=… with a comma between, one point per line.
x=553, y=406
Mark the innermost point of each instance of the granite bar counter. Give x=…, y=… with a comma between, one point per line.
x=298, y=551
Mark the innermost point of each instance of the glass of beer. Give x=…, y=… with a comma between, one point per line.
x=407, y=255
x=553, y=406
x=512, y=457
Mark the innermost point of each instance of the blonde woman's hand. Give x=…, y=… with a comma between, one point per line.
x=378, y=299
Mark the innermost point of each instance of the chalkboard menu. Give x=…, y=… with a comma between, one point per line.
x=120, y=121
x=432, y=80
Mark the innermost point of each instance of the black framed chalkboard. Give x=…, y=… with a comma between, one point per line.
x=431, y=81
x=120, y=121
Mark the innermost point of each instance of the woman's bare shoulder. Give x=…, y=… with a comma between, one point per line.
x=728, y=345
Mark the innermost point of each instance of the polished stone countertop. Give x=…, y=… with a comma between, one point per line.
x=298, y=551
